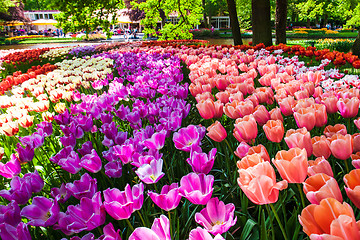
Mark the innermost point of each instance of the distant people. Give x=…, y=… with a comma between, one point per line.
x=135, y=31
x=212, y=28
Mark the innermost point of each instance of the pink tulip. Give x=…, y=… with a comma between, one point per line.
x=348, y=108
x=201, y=234
x=305, y=117
x=216, y=132
x=216, y=217
x=151, y=173
x=197, y=188
x=242, y=149
x=299, y=138
x=261, y=114
x=341, y=146
x=206, y=108
x=168, y=199
x=246, y=127
x=160, y=230
x=319, y=165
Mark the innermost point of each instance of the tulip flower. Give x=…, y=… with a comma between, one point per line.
x=330, y=130
x=11, y=168
x=85, y=187
x=261, y=114
x=292, y=164
x=206, y=108
x=275, y=114
x=321, y=147
x=299, y=138
x=157, y=140
x=348, y=108
x=330, y=103
x=202, y=162
x=286, y=105
x=242, y=149
x=320, y=115
x=355, y=160
x=187, y=139
x=20, y=231
x=341, y=146
x=259, y=183
x=216, y=132
x=319, y=165
x=121, y=204
x=216, y=217
x=305, y=117
x=201, y=234
x=160, y=230
x=246, y=127
x=356, y=142
x=352, y=182
x=261, y=150
x=321, y=186
x=151, y=173
x=357, y=123
x=168, y=199
x=110, y=233
x=91, y=162
x=274, y=130
x=197, y=188
x=42, y=212
x=329, y=220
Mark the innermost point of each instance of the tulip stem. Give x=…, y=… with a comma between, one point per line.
x=278, y=220
x=129, y=224
x=142, y=219
x=347, y=166
x=171, y=233
x=228, y=144
x=301, y=195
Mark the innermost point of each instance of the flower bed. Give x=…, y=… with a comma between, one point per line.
x=125, y=151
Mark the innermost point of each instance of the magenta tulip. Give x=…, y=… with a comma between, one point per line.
x=168, y=199
x=197, y=188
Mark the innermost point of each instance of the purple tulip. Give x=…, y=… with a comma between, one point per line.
x=160, y=230
x=91, y=162
x=63, y=118
x=61, y=194
x=201, y=234
x=113, y=169
x=151, y=173
x=22, y=188
x=68, y=141
x=168, y=199
x=187, y=139
x=85, y=187
x=106, y=118
x=9, y=232
x=88, y=236
x=217, y=217
x=45, y=128
x=34, y=140
x=86, y=148
x=197, y=188
x=202, y=162
x=68, y=159
x=10, y=214
x=156, y=141
x=110, y=233
x=87, y=215
x=121, y=204
x=11, y=168
x=25, y=154
x=42, y=212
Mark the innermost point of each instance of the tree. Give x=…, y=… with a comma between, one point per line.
x=38, y=5
x=355, y=20
x=188, y=12
x=234, y=22
x=86, y=15
x=261, y=24
x=12, y=11
x=280, y=21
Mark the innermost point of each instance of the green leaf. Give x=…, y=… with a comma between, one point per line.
x=249, y=225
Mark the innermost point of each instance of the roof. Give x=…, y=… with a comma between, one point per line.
x=42, y=11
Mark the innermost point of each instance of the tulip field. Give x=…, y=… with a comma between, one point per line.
x=161, y=140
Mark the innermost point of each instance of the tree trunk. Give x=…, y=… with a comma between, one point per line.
x=261, y=24
x=206, y=25
x=356, y=47
x=308, y=23
x=234, y=22
x=280, y=21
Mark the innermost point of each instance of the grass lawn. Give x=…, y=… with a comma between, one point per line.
x=47, y=40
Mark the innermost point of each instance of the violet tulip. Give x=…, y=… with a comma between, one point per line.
x=217, y=217
x=156, y=141
x=9, y=232
x=42, y=212
x=85, y=187
x=168, y=199
x=202, y=162
x=11, y=168
x=197, y=188
x=121, y=204
x=91, y=162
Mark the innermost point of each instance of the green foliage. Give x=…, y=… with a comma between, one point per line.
x=86, y=15
x=341, y=45
x=200, y=33
x=5, y=4
x=38, y=5
x=188, y=11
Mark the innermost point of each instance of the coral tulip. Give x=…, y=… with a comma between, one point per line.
x=319, y=165
x=352, y=181
x=320, y=115
x=261, y=150
x=330, y=130
x=348, y=108
x=206, y=108
x=259, y=183
x=341, y=146
x=246, y=127
x=261, y=114
x=305, y=117
x=274, y=130
x=292, y=164
x=299, y=138
x=275, y=114
x=216, y=132
x=321, y=147
x=321, y=186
